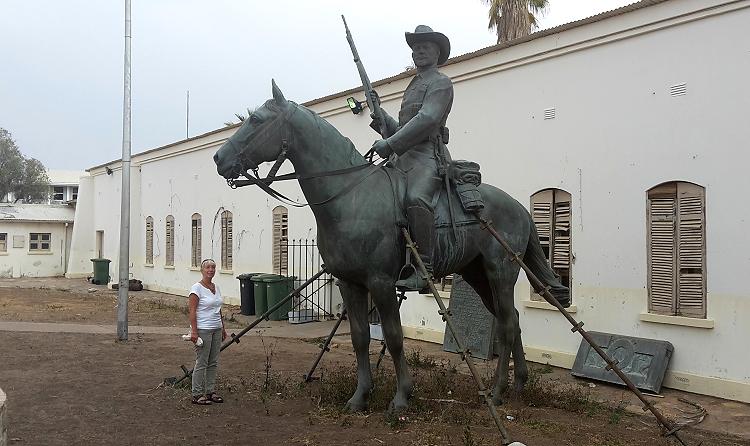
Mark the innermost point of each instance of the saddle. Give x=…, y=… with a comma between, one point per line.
x=454, y=206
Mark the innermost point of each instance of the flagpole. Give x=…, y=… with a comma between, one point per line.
x=124, y=263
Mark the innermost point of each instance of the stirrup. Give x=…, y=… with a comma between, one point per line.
x=410, y=279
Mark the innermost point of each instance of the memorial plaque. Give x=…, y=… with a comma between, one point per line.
x=475, y=325
x=644, y=361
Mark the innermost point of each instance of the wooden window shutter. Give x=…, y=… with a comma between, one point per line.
x=551, y=213
x=195, y=252
x=149, y=240
x=280, y=242
x=226, y=240
x=691, y=278
x=662, y=253
x=170, y=240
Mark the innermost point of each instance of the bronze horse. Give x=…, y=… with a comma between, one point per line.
x=361, y=244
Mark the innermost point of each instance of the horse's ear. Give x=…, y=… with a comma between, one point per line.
x=278, y=96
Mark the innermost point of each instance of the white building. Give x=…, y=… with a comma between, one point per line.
x=35, y=239
x=63, y=187
x=625, y=132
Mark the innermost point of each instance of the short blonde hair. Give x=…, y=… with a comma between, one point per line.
x=207, y=262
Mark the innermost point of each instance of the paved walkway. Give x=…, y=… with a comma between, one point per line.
x=278, y=329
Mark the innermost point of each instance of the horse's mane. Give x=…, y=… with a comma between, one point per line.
x=328, y=135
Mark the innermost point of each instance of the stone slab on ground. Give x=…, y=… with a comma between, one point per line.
x=474, y=323
x=644, y=361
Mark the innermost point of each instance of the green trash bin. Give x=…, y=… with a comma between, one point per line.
x=259, y=293
x=277, y=288
x=101, y=271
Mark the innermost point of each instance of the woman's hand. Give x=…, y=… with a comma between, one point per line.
x=194, y=336
x=224, y=335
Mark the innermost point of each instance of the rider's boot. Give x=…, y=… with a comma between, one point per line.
x=422, y=230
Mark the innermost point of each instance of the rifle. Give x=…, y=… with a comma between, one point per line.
x=374, y=106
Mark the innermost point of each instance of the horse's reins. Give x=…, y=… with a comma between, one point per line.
x=264, y=183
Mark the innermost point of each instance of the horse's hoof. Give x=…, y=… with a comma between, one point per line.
x=397, y=406
x=355, y=405
x=496, y=400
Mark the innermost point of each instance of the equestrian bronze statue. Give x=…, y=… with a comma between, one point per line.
x=360, y=208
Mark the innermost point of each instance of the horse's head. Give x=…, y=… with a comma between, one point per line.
x=258, y=139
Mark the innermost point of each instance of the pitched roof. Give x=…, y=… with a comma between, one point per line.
x=47, y=213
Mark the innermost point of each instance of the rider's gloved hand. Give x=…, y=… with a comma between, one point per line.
x=382, y=148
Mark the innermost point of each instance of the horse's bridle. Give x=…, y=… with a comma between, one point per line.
x=262, y=136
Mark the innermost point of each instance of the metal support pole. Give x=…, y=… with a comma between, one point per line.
x=670, y=429
x=465, y=354
x=235, y=338
x=124, y=263
x=324, y=348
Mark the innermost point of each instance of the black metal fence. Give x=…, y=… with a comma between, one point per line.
x=303, y=260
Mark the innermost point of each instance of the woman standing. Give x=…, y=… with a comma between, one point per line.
x=207, y=324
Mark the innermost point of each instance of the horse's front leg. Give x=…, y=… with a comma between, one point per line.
x=355, y=300
x=383, y=293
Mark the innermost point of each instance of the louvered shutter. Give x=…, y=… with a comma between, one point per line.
x=195, y=253
x=198, y=242
x=150, y=241
x=226, y=240
x=691, y=284
x=561, y=234
x=661, y=254
x=170, y=240
x=280, y=242
x=541, y=214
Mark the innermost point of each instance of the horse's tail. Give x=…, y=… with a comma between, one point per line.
x=536, y=261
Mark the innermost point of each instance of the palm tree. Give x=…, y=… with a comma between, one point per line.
x=241, y=117
x=512, y=19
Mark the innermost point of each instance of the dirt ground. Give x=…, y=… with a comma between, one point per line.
x=79, y=388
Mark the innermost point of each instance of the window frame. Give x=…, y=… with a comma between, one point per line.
x=196, y=228
x=678, y=243
x=226, y=240
x=149, y=240
x=169, y=240
x=37, y=238
x=280, y=240
x=3, y=242
x=61, y=193
x=555, y=235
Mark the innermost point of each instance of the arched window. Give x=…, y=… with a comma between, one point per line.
x=676, y=249
x=280, y=233
x=551, y=212
x=149, y=240
x=195, y=250
x=226, y=240
x=170, y=241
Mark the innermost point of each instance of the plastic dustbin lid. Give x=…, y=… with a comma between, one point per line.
x=246, y=276
x=270, y=278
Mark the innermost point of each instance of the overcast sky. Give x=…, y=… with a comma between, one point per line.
x=61, y=62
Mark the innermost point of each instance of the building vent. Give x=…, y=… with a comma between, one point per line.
x=678, y=90
x=549, y=113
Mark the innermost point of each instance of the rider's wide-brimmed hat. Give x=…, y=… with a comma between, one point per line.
x=424, y=33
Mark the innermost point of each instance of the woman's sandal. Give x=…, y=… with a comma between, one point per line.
x=215, y=398
x=203, y=400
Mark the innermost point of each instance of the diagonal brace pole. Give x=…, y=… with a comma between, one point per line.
x=669, y=428
x=465, y=354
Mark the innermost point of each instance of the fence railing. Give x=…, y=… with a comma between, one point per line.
x=302, y=261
